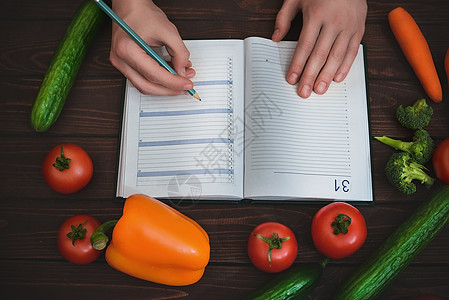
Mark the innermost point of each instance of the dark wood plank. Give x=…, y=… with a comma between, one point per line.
x=92, y=104
x=99, y=281
x=31, y=58
x=228, y=226
x=428, y=12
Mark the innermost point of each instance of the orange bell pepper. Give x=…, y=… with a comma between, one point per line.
x=155, y=242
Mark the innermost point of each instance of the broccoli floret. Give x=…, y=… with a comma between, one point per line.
x=420, y=148
x=416, y=116
x=401, y=170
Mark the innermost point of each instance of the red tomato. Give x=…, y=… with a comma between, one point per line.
x=335, y=243
x=440, y=161
x=74, y=239
x=67, y=168
x=272, y=247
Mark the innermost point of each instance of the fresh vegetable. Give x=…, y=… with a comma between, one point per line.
x=398, y=250
x=74, y=239
x=420, y=148
x=64, y=65
x=154, y=242
x=338, y=230
x=416, y=50
x=67, y=168
x=440, y=161
x=416, y=116
x=295, y=283
x=272, y=247
x=401, y=170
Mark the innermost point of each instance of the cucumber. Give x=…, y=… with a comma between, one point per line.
x=64, y=65
x=398, y=250
x=295, y=283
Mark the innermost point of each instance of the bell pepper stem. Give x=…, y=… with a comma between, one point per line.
x=99, y=239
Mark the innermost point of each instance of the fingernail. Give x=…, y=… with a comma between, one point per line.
x=339, y=77
x=275, y=34
x=188, y=86
x=321, y=87
x=305, y=91
x=182, y=72
x=190, y=73
x=293, y=78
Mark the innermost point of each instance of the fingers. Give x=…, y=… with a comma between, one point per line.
x=305, y=49
x=351, y=54
x=325, y=68
x=331, y=58
x=328, y=42
x=144, y=72
x=317, y=65
x=147, y=20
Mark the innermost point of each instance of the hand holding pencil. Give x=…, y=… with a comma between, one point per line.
x=135, y=61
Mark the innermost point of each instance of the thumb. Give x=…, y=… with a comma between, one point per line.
x=285, y=16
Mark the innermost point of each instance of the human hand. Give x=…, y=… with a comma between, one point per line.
x=328, y=42
x=152, y=25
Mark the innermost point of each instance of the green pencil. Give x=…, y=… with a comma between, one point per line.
x=140, y=42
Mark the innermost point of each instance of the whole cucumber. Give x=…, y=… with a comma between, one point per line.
x=64, y=65
x=398, y=250
x=295, y=283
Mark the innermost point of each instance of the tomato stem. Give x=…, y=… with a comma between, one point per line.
x=77, y=233
x=99, y=239
x=62, y=162
x=275, y=242
x=341, y=223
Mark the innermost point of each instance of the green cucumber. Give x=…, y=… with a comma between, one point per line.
x=398, y=250
x=64, y=65
x=295, y=283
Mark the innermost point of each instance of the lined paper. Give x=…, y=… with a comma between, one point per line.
x=305, y=143
x=182, y=141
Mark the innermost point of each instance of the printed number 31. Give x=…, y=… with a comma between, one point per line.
x=343, y=185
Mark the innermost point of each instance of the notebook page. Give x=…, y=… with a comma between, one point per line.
x=179, y=147
x=315, y=148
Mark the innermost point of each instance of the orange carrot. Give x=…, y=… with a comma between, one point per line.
x=446, y=65
x=416, y=50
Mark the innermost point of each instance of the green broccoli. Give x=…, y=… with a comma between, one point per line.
x=416, y=116
x=420, y=148
x=401, y=170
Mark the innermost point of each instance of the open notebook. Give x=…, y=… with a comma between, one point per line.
x=251, y=136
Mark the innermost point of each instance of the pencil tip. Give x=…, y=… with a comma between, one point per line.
x=196, y=96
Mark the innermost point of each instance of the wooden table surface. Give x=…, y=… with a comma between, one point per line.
x=31, y=213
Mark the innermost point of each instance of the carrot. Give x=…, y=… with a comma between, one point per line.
x=446, y=65
x=416, y=50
